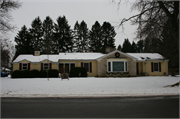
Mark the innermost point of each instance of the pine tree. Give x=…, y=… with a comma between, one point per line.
x=36, y=33
x=84, y=37
x=96, y=38
x=126, y=47
x=81, y=37
x=140, y=46
x=23, y=41
x=108, y=34
x=133, y=47
x=119, y=47
x=48, y=36
x=63, y=36
x=76, y=36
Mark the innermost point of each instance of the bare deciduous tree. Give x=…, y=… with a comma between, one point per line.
x=7, y=52
x=6, y=6
x=152, y=17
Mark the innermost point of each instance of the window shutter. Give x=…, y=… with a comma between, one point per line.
x=41, y=66
x=81, y=64
x=50, y=65
x=20, y=66
x=152, y=70
x=90, y=67
x=28, y=66
x=159, y=66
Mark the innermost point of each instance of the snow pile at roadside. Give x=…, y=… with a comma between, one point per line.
x=88, y=87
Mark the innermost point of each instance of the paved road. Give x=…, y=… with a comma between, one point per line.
x=147, y=107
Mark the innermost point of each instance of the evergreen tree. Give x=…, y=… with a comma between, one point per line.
x=133, y=47
x=48, y=36
x=126, y=47
x=76, y=36
x=81, y=36
x=108, y=34
x=152, y=45
x=96, y=38
x=84, y=37
x=62, y=36
x=140, y=46
x=23, y=41
x=119, y=47
x=37, y=34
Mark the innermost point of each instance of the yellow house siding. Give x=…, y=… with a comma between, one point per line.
x=55, y=66
x=36, y=66
x=15, y=66
x=164, y=67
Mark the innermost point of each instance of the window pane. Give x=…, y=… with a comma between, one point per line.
x=61, y=68
x=24, y=66
x=156, y=67
x=67, y=68
x=86, y=65
x=46, y=66
x=109, y=66
x=118, y=66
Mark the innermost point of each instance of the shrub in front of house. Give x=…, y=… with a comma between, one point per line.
x=16, y=74
x=34, y=73
x=42, y=74
x=25, y=74
x=53, y=73
x=78, y=70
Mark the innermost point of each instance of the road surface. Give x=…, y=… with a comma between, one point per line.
x=128, y=107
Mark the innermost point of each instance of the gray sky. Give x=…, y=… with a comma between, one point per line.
x=76, y=10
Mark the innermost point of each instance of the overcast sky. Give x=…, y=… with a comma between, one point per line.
x=76, y=10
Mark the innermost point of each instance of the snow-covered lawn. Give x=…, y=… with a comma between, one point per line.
x=88, y=87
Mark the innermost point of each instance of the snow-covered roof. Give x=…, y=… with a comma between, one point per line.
x=79, y=56
x=147, y=56
x=33, y=58
x=61, y=56
x=87, y=56
x=6, y=69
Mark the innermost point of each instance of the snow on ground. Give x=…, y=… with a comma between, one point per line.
x=88, y=87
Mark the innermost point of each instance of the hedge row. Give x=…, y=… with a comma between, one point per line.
x=78, y=72
x=34, y=73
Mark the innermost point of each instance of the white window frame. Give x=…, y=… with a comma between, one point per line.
x=23, y=66
x=44, y=66
x=67, y=63
x=88, y=66
x=111, y=62
x=153, y=66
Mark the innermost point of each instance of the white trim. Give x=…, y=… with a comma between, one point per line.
x=22, y=60
x=88, y=66
x=111, y=63
x=100, y=58
x=22, y=66
x=48, y=65
x=153, y=66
